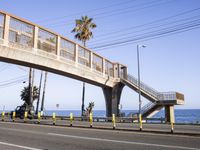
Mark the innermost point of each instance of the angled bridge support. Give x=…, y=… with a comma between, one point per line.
x=112, y=97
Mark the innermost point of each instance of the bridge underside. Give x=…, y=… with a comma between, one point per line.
x=44, y=61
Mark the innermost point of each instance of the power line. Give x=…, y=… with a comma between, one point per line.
x=91, y=10
x=147, y=39
x=142, y=30
x=155, y=33
x=150, y=23
x=123, y=11
x=14, y=79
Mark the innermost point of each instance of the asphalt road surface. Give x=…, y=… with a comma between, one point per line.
x=16, y=136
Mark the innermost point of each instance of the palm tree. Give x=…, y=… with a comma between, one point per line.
x=83, y=33
x=83, y=29
x=25, y=94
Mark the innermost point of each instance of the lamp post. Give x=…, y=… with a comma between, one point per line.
x=139, y=88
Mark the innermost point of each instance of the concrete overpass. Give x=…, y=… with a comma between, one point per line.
x=28, y=44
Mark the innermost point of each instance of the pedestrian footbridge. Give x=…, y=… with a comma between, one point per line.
x=25, y=43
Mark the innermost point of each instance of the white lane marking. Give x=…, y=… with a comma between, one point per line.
x=19, y=146
x=20, y=130
x=122, y=142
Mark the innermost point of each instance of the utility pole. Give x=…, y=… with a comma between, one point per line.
x=38, y=101
x=139, y=87
x=43, y=95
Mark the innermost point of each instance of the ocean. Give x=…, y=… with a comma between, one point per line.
x=181, y=115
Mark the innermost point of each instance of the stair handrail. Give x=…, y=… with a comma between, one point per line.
x=147, y=107
x=143, y=86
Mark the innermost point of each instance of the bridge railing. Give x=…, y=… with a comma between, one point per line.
x=20, y=33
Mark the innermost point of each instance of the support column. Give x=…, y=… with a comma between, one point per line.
x=112, y=98
x=169, y=114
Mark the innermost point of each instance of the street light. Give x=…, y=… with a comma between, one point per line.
x=139, y=90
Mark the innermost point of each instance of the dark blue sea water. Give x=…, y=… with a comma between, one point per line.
x=181, y=115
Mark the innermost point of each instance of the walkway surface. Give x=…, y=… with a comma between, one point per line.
x=20, y=136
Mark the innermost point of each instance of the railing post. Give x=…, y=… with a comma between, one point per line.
x=25, y=116
x=104, y=67
x=91, y=60
x=35, y=40
x=114, y=121
x=39, y=117
x=6, y=29
x=91, y=120
x=140, y=120
x=172, y=127
x=3, y=116
x=13, y=116
x=58, y=47
x=76, y=53
x=71, y=119
x=54, y=118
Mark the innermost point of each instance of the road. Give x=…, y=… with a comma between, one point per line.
x=17, y=136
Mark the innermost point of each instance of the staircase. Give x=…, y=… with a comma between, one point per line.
x=157, y=99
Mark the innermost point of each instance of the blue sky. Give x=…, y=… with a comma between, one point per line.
x=168, y=63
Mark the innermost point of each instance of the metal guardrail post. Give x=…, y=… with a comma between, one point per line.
x=3, y=116
x=172, y=127
x=140, y=120
x=71, y=119
x=39, y=117
x=25, y=116
x=13, y=116
x=91, y=120
x=54, y=118
x=113, y=121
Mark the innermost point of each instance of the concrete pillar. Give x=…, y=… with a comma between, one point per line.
x=112, y=98
x=6, y=29
x=169, y=114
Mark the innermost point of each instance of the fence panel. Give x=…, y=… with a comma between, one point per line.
x=2, y=17
x=67, y=49
x=83, y=56
x=97, y=63
x=109, y=68
x=20, y=33
x=46, y=41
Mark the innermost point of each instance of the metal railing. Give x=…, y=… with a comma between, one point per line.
x=166, y=96
x=147, y=107
x=143, y=86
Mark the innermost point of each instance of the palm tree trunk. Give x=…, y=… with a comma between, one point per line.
x=83, y=93
x=83, y=100
x=38, y=101
x=43, y=95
